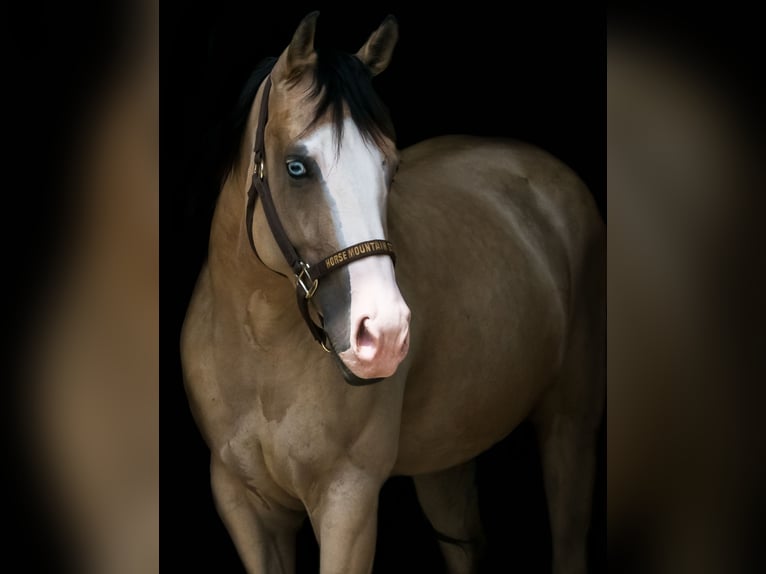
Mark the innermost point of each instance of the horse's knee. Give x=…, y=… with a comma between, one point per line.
x=344, y=516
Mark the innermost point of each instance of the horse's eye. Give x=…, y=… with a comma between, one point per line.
x=296, y=168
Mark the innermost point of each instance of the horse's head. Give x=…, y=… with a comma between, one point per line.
x=330, y=161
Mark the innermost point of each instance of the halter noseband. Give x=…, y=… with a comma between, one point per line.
x=307, y=276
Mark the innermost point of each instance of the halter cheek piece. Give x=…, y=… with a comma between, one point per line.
x=307, y=276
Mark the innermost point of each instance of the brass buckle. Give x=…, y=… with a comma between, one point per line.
x=308, y=291
x=259, y=167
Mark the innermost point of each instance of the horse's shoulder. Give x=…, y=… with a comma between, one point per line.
x=196, y=335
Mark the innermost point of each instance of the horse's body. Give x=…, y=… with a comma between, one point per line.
x=500, y=258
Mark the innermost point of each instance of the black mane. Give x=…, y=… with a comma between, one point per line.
x=234, y=128
x=340, y=80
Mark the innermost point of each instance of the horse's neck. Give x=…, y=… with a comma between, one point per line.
x=235, y=270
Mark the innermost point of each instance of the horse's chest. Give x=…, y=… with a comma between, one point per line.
x=283, y=447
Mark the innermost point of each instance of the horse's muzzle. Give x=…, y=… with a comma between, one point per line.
x=379, y=321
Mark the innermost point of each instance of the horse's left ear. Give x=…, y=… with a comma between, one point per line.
x=376, y=53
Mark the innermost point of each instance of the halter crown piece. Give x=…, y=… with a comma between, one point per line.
x=307, y=276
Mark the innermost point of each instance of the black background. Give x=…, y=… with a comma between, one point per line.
x=533, y=72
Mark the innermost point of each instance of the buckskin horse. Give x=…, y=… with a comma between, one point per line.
x=495, y=246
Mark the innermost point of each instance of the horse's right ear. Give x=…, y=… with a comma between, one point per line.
x=300, y=54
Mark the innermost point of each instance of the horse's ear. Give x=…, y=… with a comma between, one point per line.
x=300, y=53
x=376, y=53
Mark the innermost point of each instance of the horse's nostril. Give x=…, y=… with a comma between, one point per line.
x=364, y=338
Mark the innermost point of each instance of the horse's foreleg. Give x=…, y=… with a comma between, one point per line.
x=449, y=500
x=262, y=530
x=345, y=523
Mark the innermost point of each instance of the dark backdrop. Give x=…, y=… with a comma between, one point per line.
x=529, y=71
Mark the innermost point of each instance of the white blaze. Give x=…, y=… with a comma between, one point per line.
x=355, y=179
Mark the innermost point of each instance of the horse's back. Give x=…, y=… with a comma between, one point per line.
x=499, y=245
x=484, y=165
x=532, y=195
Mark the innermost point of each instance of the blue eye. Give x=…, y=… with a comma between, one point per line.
x=296, y=168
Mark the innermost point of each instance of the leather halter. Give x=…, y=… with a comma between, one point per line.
x=307, y=276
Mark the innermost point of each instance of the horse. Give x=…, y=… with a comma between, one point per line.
x=445, y=293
